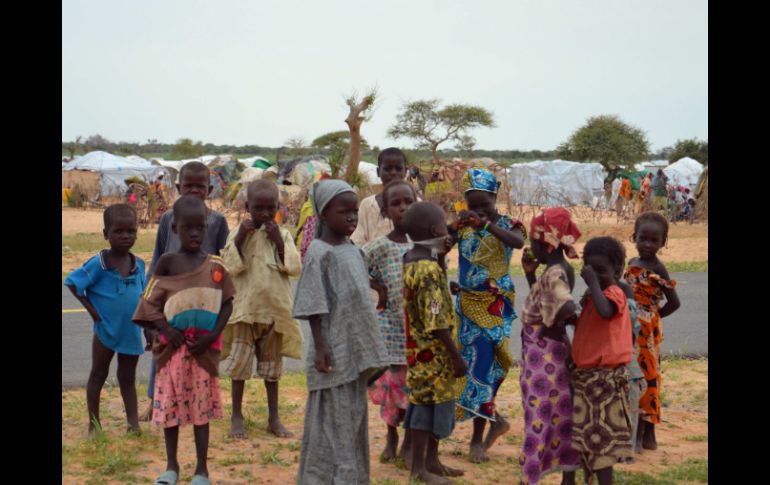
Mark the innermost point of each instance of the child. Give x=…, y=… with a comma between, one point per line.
x=385, y=259
x=109, y=286
x=261, y=257
x=545, y=349
x=348, y=349
x=193, y=180
x=485, y=305
x=601, y=349
x=188, y=301
x=372, y=224
x=649, y=278
x=435, y=366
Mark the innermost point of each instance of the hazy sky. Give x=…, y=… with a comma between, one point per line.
x=260, y=72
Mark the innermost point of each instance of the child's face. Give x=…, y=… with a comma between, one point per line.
x=191, y=229
x=482, y=203
x=121, y=233
x=195, y=183
x=649, y=240
x=262, y=206
x=400, y=198
x=603, y=267
x=341, y=215
x=392, y=168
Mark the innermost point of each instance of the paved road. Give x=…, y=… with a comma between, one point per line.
x=686, y=331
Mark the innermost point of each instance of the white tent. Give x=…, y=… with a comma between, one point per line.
x=651, y=165
x=369, y=172
x=684, y=171
x=556, y=183
x=137, y=158
x=113, y=170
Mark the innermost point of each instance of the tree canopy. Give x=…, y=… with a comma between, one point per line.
x=693, y=148
x=608, y=140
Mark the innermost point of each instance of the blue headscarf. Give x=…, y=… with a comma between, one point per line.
x=480, y=179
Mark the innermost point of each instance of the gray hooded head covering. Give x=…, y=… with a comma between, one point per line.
x=322, y=193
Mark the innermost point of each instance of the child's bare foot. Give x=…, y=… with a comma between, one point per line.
x=147, y=414
x=276, y=427
x=237, y=428
x=478, y=454
x=134, y=430
x=431, y=479
x=497, y=428
x=649, y=442
x=406, y=455
x=391, y=445
x=438, y=468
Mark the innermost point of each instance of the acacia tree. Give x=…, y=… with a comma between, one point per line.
x=337, y=144
x=430, y=126
x=296, y=145
x=693, y=148
x=360, y=111
x=608, y=140
x=186, y=148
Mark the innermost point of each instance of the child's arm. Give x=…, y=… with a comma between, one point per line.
x=274, y=234
x=205, y=341
x=460, y=367
x=529, y=265
x=382, y=293
x=604, y=306
x=323, y=358
x=86, y=303
x=224, y=231
x=160, y=243
x=672, y=298
x=512, y=239
x=174, y=336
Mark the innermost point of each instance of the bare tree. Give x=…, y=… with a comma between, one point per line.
x=296, y=145
x=360, y=111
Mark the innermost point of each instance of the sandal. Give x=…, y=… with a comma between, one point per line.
x=169, y=477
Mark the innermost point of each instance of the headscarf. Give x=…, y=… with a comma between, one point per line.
x=322, y=192
x=553, y=227
x=479, y=179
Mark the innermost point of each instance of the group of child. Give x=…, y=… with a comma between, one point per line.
x=373, y=287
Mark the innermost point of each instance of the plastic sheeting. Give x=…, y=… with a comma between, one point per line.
x=684, y=171
x=556, y=183
x=369, y=172
x=114, y=170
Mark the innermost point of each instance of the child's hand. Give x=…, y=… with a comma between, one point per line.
x=174, y=336
x=529, y=263
x=382, y=297
x=460, y=367
x=589, y=276
x=470, y=218
x=554, y=332
x=199, y=345
x=454, y=287
x=273, y=232
x=323, y=359
x=246, y=228
x=94, y=315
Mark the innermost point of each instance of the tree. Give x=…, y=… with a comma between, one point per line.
x=337, y=146
x=608, y=140
x=97, y=142
x=360, y=111
x=296, y=145
x=693, y=148
x=185, y=148
x=465, y=145
x=429, y=127
x=73, y=147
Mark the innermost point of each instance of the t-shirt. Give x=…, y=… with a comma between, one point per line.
x=114, y=298
x=371, y=223
x=659, y=186
x=334, y=284
x=427, y=308
x=546, y=297
x=167, y=241
x=603, y=342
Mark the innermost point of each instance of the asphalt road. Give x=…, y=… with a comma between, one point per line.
x=685, y=332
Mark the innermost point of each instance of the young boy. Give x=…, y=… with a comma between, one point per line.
x=261, y=257
x=109, y=286
x=434, y=365
x=193, y=180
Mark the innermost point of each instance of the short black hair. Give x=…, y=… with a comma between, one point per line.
x=654, y=217
x=195, y=167
x=260, y=185
x=606, y=246
x=394, y=183
x=390, y=152
x=420, y=217
x=117, y=210
x=187, y=203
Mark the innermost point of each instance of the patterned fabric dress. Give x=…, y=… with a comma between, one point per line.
x=385, y=260
x=648, y=293
x=637, y=384
x=485, y=309
x=545, y=382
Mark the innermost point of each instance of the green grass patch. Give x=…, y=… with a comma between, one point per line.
x=385, y=481
x=272, y=458
x=692, y=470
x=238, y=459
x=698, y=438
x=683, y=267
x=93, y=242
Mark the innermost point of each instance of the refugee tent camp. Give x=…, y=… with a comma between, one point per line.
x=109, y=172
x=684, y=171
x=555, y=183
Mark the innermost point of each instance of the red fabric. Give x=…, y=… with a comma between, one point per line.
x=554, y=226
x=603, y=343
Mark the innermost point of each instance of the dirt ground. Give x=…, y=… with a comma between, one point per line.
x=264, y=459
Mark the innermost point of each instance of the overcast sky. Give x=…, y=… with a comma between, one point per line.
x=259, y=72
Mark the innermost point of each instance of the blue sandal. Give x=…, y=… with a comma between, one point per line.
x=169, y=477
x=200, y=480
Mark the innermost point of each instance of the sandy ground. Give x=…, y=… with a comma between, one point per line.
x=265, y=459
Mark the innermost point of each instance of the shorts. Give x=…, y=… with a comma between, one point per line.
x=439, y=419
x=250, y=341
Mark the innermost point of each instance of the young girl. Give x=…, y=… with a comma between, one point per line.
x=601, y=350
x=384, y=256
x=485, y=304
x=650, y=280
x=109, y=286
x=545, y=349
x=348, y=349
x=188, y=300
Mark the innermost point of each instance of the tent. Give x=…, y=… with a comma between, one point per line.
x=651, y=165
x=369, y=172
x=259, y=162
x=555, y=183
x=684, y=171
x=113, y=170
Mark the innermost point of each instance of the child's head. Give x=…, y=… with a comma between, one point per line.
x=424, y=221
x=391, y=165
x=120, y=226
x=397, y=196
x=650, y=234
x=553, y=230
x=480, y=188
x=194, y=180
x=607, y=258
x=262, y=201
x=336, y=204
x=190, y=222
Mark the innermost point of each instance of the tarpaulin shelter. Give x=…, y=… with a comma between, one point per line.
x=112, y=170
x=555, y=183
